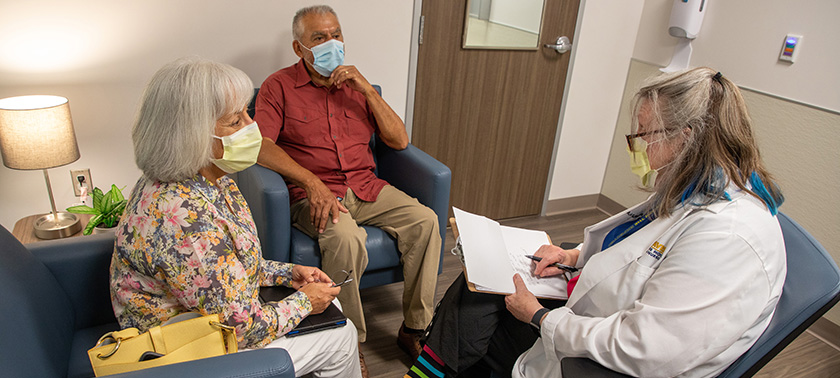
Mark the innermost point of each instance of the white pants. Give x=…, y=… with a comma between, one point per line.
x=328, y=353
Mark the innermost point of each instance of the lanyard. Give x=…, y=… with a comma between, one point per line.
x=625, y=229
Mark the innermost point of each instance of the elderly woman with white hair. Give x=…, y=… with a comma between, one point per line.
x=187, y=241
x=679, y=285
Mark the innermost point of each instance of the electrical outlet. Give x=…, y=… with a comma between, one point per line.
x=80, y=177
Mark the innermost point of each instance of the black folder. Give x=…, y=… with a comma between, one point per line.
x=332, y=317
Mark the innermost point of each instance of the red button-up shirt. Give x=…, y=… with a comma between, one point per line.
x=325, y=130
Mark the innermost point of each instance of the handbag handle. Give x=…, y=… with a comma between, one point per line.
x=109, y=335
x=116, y=337
x=230, y=336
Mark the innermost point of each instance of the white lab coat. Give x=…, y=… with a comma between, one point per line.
x=691, y=313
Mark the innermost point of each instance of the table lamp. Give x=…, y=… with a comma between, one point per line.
x=36, y=132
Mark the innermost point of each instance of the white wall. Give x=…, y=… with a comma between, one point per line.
x=601, y=57
x=100, y=54
x=743, y=40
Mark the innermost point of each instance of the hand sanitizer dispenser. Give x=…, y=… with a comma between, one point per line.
x=685, y=22
x=686, y=18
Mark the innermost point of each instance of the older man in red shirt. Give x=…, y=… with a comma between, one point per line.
x=317, y=117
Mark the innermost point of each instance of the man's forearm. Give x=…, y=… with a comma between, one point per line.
x=391, y=127
x=276, y=159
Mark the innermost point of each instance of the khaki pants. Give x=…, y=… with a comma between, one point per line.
x=342, y=244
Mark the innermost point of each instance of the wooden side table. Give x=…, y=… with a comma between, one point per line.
x=25, y=228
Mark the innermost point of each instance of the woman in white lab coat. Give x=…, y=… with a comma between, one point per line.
x=684, y=283
x=694, y=288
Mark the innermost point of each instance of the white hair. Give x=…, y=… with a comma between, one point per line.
x=297, y=21
x=173, y=133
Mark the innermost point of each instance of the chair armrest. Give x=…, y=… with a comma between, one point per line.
x=267, y=362
x=268, y=197
x=81, y=265
x=419, y=175
x=583, y=367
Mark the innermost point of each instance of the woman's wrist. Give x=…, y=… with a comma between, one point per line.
x=573, y=255
x=537, y=318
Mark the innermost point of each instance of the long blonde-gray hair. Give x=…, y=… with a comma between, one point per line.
x=707, y=110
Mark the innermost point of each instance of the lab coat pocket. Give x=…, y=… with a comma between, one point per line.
x=633, y=284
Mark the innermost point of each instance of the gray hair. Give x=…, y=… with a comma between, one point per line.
x=705, y=110
x=297, y=21
x=173, y=132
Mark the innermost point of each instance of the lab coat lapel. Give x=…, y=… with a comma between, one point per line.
x=610, y=264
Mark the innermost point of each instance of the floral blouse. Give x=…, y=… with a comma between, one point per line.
x=192, y=246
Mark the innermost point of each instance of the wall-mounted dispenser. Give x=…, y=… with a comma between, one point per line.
x=685, y=22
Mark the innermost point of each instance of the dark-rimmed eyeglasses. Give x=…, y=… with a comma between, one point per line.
x=346, y=279
x=630, y=137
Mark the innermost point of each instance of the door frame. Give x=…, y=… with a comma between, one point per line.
x=412, y=86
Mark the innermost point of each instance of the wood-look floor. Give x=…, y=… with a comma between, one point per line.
x=807, y=356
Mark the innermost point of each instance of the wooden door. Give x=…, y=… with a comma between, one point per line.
x=490, y=115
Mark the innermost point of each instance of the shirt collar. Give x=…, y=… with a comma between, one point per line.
x=208, y=190
x=303, y=77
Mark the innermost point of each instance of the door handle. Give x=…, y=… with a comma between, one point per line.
x=561, y=45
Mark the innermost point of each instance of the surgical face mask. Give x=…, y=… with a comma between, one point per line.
x=241, y=149
x=327, y=56
x=640, y=164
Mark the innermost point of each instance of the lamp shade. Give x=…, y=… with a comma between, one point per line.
x=36, y=132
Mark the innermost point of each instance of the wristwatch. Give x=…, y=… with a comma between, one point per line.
x=535, y=320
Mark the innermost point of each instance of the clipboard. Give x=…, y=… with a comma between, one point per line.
x=470, y=285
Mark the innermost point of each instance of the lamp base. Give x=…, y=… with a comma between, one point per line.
x=66, y=224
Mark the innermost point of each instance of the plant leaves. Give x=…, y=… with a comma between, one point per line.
x=93, y=222
x=82, y=209
x=116, y=193
x=97, y=198
x=108, y=208
x=113, y=217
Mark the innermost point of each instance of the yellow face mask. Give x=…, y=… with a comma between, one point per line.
x=640, y=164
x=241, y=149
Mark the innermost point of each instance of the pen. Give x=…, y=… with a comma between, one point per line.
x=556, y=265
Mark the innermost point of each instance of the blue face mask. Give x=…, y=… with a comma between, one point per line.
x=327, y=56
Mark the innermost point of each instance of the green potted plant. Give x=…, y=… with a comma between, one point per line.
x=107, y=209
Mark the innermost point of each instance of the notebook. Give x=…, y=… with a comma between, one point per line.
x=332, y=317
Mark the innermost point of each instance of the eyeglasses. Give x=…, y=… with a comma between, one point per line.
x=630, y=137
x=346, y=279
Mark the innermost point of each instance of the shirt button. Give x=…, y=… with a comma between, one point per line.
x=334, y=137
x=330, y=115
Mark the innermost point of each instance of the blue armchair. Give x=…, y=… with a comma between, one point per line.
x=55, y=304
x=410, y=170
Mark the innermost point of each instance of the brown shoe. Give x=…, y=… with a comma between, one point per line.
x=365, y=373
x=409, y=342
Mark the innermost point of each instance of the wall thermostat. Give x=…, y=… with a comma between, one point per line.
x=790, y=48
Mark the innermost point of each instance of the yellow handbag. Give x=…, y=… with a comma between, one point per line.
x=185, y=337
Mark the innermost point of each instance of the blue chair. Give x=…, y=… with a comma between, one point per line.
x=411, y=170
x=812, y=287
x=55, y=304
